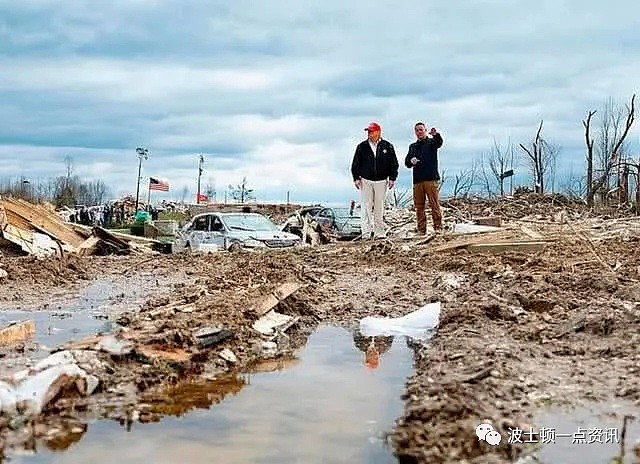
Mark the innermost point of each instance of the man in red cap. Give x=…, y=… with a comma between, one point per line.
x=374, y=168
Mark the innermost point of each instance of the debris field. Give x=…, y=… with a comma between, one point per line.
x=540, y=305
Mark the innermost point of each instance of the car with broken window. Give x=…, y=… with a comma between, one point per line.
x=340, y=222
x=232, y=231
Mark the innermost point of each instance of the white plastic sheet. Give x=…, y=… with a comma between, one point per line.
x=418, y=324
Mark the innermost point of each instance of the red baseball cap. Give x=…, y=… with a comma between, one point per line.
x=373, y=126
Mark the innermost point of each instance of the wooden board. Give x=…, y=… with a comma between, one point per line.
x=272, y=299
x=499, y=247
x=495, y=221
x=43, y=219
x=17, y=332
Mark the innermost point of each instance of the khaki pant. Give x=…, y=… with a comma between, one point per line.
x=422, y=191
x=372, y=209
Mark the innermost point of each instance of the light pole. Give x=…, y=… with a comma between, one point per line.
x=143, y=153
x=200, y=163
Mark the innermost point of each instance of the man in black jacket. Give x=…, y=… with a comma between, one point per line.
x=423, y=159
x=374, y=168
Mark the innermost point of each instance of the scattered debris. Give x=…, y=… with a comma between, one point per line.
x=42, y=233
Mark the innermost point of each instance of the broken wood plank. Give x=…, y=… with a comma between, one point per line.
x=44, y=219
x=530, y=233
x=18, y=332
x=120, y=235
x=166, y=354
x=478, y=242
x=89, y=246
x=21, y=237
x=272, y=299
x=498, y=247
x=456, y=245
x=104, y=234
x=3, y=217
x=495, y=221
x=85, y=344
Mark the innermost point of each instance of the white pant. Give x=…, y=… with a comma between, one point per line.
x=373, y=193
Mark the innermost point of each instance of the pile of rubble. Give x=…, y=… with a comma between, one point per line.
x=35, y=230
x=197, y=328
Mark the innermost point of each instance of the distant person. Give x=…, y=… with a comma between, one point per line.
x=423, y=159
x=374, y=168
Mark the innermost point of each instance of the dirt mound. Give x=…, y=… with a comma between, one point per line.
x=54, y=272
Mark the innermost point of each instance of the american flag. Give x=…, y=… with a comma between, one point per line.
x=158, y=184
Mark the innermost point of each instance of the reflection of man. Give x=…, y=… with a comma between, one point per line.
x=374, y=168
x=372, y=347
x=372, y=356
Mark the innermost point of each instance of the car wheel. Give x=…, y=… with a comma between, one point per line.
x=235, y=247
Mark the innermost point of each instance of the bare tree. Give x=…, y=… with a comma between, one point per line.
x=241, y=192
x=616, y=122
x=465, y=179
x=185, y=192
x=494, y=167
x=210, y=188
x=400, y=197
x=541, y=156
x=96, y=192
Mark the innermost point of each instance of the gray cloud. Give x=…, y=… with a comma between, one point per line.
x=280, y=91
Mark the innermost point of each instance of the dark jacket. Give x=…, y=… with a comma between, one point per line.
x=384, y=165
x=426, y=151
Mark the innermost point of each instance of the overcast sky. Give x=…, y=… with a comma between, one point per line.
x=279, y=91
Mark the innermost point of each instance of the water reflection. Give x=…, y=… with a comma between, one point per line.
x=177, y=400
x=372, y=347
x=325, y=407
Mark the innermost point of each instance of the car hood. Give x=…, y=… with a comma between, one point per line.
x=261, y=235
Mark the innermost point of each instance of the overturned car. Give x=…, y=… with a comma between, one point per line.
x=232, y=231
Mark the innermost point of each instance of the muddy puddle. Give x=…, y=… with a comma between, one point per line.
x=586, y=435
x=333, y=402
x=92, y=311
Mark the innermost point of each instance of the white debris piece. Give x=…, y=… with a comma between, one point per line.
x=465, y=228
x=228, y=356
x=417, y=324
x=28, y=392
x=110, y=344
x=272, y=321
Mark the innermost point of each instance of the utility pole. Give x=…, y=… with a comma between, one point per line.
x=142, y=153
x=200, y=163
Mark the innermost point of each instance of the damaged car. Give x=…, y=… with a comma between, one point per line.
x=232, y=231
x=341, y=223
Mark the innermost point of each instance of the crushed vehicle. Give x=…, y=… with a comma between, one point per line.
x=341, y=223
x=232, y=231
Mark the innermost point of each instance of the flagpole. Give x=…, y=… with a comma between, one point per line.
x=149, y=194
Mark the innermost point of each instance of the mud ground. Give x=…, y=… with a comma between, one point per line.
x=519, y=330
